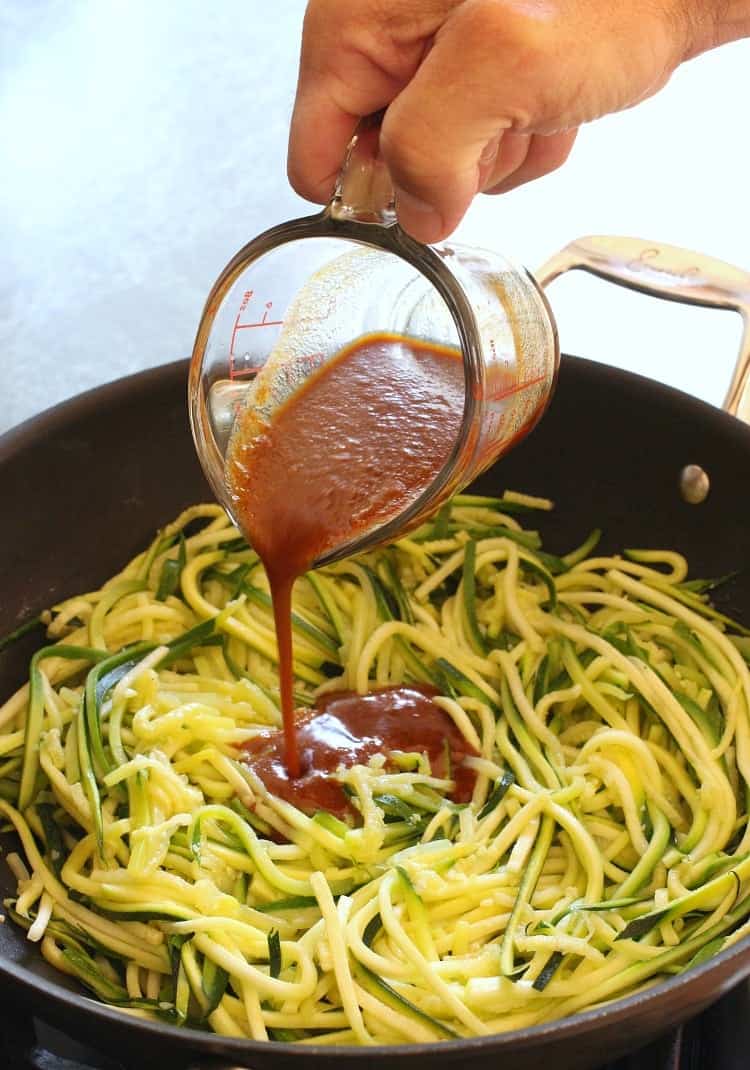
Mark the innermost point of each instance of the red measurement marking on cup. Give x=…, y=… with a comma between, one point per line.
x=242, y=373
x=508, y=391
x=264, y=321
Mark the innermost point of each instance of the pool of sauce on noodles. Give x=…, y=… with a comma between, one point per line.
x=348, y=729
x=351, y=448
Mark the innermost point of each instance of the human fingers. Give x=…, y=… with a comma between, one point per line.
x=498, y=69
x=543, y=153
x=468, y=84
x=355, y=58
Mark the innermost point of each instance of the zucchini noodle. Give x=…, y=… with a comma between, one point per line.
x=606, y=704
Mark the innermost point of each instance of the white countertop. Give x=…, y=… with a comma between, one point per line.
x=143, y=143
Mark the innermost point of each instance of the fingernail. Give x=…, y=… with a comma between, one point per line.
x=488, y=160
x=417, y=217
x=489, y=153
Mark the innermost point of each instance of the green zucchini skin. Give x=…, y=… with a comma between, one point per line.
x=606, y=845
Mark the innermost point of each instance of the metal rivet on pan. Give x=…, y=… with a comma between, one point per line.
x=694, y=484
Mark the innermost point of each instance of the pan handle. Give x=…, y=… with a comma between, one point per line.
x=672, y=273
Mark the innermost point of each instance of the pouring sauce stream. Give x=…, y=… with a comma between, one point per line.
x=350, y=449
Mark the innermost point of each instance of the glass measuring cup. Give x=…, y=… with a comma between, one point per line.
x=297, y=295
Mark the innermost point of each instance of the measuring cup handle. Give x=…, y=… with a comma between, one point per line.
x=364, y=190
x=674, y=274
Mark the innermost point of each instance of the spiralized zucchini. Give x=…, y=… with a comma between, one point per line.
x=606, y=846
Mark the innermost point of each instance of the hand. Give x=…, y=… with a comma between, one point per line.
x=481, y=95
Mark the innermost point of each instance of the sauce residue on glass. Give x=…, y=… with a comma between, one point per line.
x=350, y=449
x=346, y=729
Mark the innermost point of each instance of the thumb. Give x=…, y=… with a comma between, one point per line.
x=436, y=165
x=494, y=71
x=444, y=129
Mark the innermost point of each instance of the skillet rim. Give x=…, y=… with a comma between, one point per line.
x=724, y=964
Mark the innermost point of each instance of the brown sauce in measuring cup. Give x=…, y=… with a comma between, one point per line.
x=356, y=444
